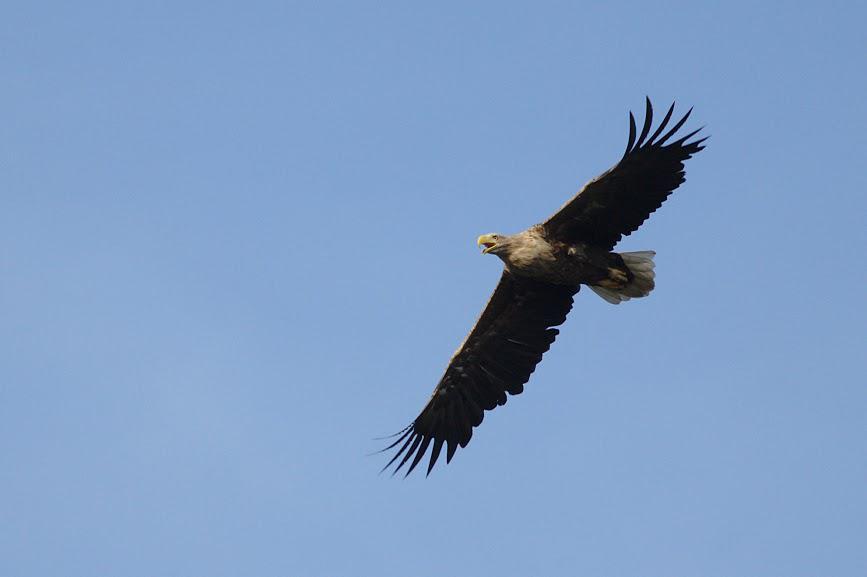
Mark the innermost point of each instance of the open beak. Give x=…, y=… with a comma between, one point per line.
x=487, y=242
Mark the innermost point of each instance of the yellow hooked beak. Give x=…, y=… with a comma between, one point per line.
x=487, y=241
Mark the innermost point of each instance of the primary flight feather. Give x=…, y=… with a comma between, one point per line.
x=545, y=266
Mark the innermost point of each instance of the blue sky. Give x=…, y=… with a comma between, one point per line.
x=237, y=242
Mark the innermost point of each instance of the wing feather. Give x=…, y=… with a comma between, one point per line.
x=435, y=453
x=648, y=120
x=616, y=203
x=497, y=357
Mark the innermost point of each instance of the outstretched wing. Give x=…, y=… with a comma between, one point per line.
x=496, y=358
x=615, y=203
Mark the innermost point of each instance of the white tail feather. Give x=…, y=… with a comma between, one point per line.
x=609, y=295
x=641, y=265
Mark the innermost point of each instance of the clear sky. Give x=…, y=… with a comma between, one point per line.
x=237, y=242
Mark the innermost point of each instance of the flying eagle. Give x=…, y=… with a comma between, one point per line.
x=544, y=267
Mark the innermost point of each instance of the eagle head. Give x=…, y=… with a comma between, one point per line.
x=492, y=242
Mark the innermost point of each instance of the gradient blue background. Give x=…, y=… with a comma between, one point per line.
x=237, y=243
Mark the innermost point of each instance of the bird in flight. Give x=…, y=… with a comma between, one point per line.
x=544, y=266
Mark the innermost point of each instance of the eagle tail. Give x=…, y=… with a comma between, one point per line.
x=640, y=264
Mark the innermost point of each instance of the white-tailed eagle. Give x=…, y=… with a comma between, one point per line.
x=544, y=267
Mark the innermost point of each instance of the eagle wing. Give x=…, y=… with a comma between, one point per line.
x=615, y=203
x=496, y=358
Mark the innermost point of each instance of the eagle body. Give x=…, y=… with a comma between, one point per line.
x=544, y=268
x=531, y=254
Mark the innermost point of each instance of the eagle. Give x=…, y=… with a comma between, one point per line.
x=544, y=267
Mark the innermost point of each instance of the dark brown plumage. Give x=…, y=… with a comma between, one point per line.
x=617, y=202
x=544, y=268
